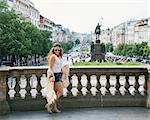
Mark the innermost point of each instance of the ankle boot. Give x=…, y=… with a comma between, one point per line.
x=49, y=108
x=54, y=107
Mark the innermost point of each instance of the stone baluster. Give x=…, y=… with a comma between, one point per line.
x=84, y=82
x=112, y=82
x=122, y=81
x=103, y=81
x=142, y=89
x=33, y=84
x=23, y=83
x=132, y=82
x=11, y=83
x=93, y=82
x=17, y=86
x=74, y=81
x=4, y=106
x=43, y=83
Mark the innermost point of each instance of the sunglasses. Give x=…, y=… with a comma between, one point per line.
x=57, y=50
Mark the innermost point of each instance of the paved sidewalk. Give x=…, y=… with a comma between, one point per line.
x=113, y=113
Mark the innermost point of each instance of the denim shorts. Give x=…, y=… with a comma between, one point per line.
x=58, y=77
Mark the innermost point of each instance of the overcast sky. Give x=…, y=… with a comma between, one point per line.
x=83, y=15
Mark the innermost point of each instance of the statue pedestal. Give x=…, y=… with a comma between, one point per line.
x=98, y=51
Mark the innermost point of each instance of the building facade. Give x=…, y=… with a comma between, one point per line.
x=129, y=32
x=142, y=31
x=25, y=9
x=46, y=24
x=62, y=34
x=106, y=36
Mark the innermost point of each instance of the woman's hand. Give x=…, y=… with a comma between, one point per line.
x=65, y=69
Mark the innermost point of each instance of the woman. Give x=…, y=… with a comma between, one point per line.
x=54, y=77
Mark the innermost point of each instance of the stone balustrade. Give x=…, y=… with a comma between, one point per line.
x=21, y=87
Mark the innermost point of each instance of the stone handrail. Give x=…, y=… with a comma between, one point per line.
x=90, y=86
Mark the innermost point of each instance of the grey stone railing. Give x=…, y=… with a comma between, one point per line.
x=21, y=87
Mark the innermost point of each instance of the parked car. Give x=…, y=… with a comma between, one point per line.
x=7, y=63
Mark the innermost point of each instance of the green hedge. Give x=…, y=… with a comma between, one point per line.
x=108, y=64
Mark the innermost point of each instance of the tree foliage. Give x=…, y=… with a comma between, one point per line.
x=67, y=45
x=142, y=49
x=77, y=41
x=21, y=38
x=3, y=6
x=109, y=47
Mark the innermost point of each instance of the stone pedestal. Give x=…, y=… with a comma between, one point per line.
x=4, y=107
x=98, y=51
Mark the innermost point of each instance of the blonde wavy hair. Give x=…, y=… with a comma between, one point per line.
x=52, y=50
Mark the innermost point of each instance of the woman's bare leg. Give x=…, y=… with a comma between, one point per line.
x=58, y=87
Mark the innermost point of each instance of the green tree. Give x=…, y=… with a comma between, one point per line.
x=119, y=49
x=109, y=47
x=129, y=50
x=46, y=43
x=147, y=51
x=133, y=49
x=39, y=39
x=77, y=41
x=140, y=48
x=33, y=34
x=11, y=34
x=67, y=45
x=19, y=38
x=3, y=6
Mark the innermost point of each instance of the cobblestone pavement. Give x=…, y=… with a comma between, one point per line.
x=113, y=113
